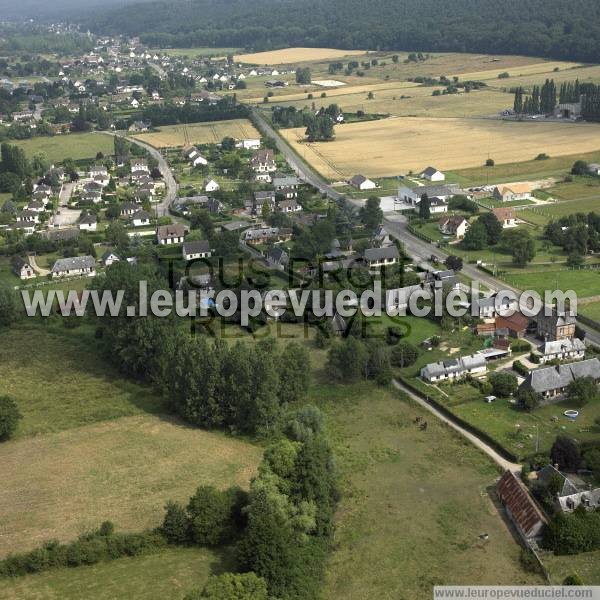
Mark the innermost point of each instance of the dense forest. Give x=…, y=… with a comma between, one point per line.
x=547, y=28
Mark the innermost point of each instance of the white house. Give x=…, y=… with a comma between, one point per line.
x=140, y=219
x=88, y=223
x=432, y=174
x=199, y=160
x=170, y=234
x=569, y=349
x=413, y=195
x=22, y=268
x=506, y=216
x=249, y=144
x=454, y=368
x=594, y=169
x=195, y=250
x=360, y=182
x=211, y=186
x=109, y=258
x=454, y=226
x=75, y=266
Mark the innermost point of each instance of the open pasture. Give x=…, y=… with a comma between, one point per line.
x=72, y=145
x=288, y=56
x=396, y=145
x=545, y=67
x=57, y=486
x=388, y=467
x=168, y=574
x=171, y=136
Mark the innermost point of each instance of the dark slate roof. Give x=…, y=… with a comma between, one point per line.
x=548, y=379
x=549, y=472
x=375, y=254
x=76, y=262
x=196, y=247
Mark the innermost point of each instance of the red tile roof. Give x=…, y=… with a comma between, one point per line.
x=517, y=500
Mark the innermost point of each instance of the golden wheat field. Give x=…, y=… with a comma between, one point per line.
x=59, y=485
x=545, y=67
x=396, y=145
x=289, y=56
x=171, y=136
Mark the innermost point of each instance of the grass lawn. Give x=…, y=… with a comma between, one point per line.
x=519, y=171
x=587, y=565
x=491, y=203
x=169, y=574
x=414, y=503
x=585, y=282
x=517, y=430
x=540, y=215
x=590, y=310
x=73, y=145
x=59, y=380
x=60, y=485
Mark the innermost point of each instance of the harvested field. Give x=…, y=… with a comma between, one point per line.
x=289, y=56
x=519, y=70
x=404, y=101
x=57, y=486
x=171, y=136
x=391, y=146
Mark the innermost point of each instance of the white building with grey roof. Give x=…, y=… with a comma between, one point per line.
x=552, y=382
x=454, y=368
x=75, y=266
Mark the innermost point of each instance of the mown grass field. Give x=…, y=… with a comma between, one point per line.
x=169, y=574
x=60, y=485
x=372, y=148
x=60, y=381
x=93, y=446
x=414, y=503
x=73, y=145
x=585, y=282
x=170, y=136
x=288, y=56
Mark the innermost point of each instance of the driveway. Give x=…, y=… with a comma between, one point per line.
x=483, y=446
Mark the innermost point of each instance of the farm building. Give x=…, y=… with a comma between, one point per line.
x=454, y=368
x=75, y=266
x=413, y=195
x=520, y=507
x=551, y=382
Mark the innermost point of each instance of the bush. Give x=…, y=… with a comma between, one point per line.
x=404, y=354
x=489, y=162
x=520, y=368
x=572, y=579
x=232, y=586
x=9, y=417
x=503, y=384
x=175, y=526
x=211, y=514
x=520, y=346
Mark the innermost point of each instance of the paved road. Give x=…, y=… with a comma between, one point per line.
x=420, y=250
x=162, y=207
x=301, y=168
x=499, y=460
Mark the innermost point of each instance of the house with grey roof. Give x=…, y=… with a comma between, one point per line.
x=74, y=267
x=569, y=349
x=550, y=475
x=413, y=195
x=360, y=182
x=454, y=368
x=286, y=181
x=555, y=326
x=381, y=257
x=170, y=234
x=195, y=250
x=432, y=174
x=22, y=269
x=552, y=382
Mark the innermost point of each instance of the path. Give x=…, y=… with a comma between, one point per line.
x=41, y=272
x=495, y=456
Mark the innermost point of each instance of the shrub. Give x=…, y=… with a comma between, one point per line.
x=489, y=162
x=503, y=384
x=572, y=579
x=232, y=586
x=9, y=417
x=175, y=526
x=520, y=368
x=211, y=516
x=520, y=346
x=565, y=453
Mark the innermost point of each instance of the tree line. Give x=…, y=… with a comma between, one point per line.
x=533, y=27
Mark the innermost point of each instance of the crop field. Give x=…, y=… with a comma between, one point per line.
x=405, y=99
x=171, y=136
x=168, y=574
x=73, y=145
x=544, y=67
x=585, y=74
x=122, y=470
x=389, y=467
x=391, y=146
x=289, y=56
